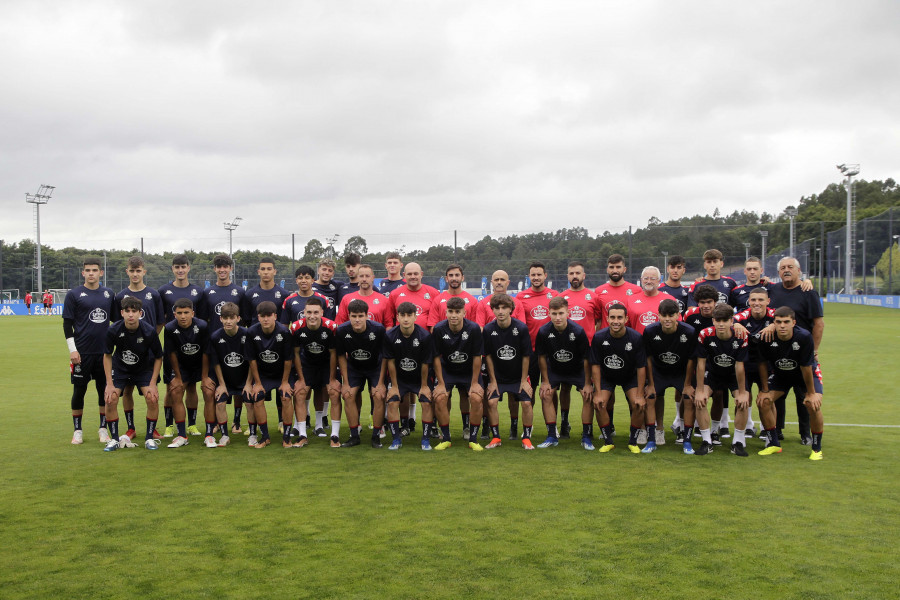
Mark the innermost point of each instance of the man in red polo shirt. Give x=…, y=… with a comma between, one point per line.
x=455, y=278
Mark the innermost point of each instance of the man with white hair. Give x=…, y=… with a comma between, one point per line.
x=809, y=315
x=643, y=310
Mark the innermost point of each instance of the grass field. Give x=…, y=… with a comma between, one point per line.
x=76, y=522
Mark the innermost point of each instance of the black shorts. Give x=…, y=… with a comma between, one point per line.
x=407, y=388
x=786, y=384
x=91, y=367
x=139, y=380
x=272, y=384
x=358, y=379
x=721, y=384
x=609, y=385
x=557, y=380
x=511, y=388
x=663, y=382
x=188, y=377
x=227, y=396
x=751, y=376
x=315, y=377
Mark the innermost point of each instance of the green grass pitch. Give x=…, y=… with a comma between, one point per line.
x=76, y=522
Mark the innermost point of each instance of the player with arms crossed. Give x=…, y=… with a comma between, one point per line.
x=86, y=313
x=358, y=345
x=408, y=352
x=230, y=373
x=133, y=357
x=720, y=361
x=562, y=350
x=458, y=349
x=507, y=350
x=618, y=359
x=792, y=357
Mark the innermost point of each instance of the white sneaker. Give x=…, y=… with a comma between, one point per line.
x=660, y=437
x=642, y=436
x=210, y=442
x=178, y=442
x=78, y=437
x=125, y=442
x=103, y=433
x=252, y=440
x=111, y=445
x=151, y=444
x=224, y=441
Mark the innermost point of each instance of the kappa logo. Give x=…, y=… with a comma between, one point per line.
x=638, y=301
x=255, y=295
x=613, y=362
x=506, y=353
x=176, y=332
x=408, y=364
x=551, y=336
x=563, y=356
x=712, y=345
x=605, y=343
x=258, y=339
x=190, y=349
x=493, y=333
x=302, y=334
x=398, y=341
x=742, y=292
x=222, y=341
x=348, y=337
x=129, y=358
x=657, y=339
x=604, y=292
x=446, y=337
x=6, y=310
x=233, y=359
x=82, y=295
x=98, y=315
x=268, y=356
x=669, y=358
x=168, y=292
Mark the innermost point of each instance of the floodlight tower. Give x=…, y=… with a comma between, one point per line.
x=849, y=171
x=41, y=197
x=746, y=251
x=230, y=227
x=791, y=212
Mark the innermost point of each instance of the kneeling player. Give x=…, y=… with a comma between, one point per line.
x=408, y=351
x=720, y=361
x=562, y=349
x=271, y=352
x=186, y=338
x=792, y=356
x=230, y=373
x=358, y=345
x=458, y=348
x=618, y=359
x=507, y=350
x=670, y=346
x=133, y=358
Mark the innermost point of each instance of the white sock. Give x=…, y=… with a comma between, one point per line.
x=678, y=423
x=412, y=411
x=335, y=428
x=297, y=424
x=302, y=428
x=705, y=434
x=750, y=423
x=319, y=415
x=739, y=437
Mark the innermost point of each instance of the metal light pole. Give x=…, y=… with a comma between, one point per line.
x=891, y=265
x=791, y=213
x=838, y=247
x=230, y=227
x=41, y=197
x=863, y=263
x=764, y=235
x=665, y=258
x=849, y=171
x=746, y=251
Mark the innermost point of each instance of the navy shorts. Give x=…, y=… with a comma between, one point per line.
x=751, y=376
x=315, y=377
x=358, y=379
x=272, y=384
x=188, y=376
x=227, y=396
x=558, y=380
x=139, y=380
x=721, y=384
x=511, y=388
x=407, y=388
x=663, y=382
x=91, y=367
x=786, y=384
x=609, y=385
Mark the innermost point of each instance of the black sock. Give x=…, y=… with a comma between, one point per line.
x=237, y=414
x=651, y=433
x=192, y=416
x=169, y=413
x=551, y=429
x=113, y=429
x=263, y=430
x=395, y=429
x=526, y=432
x=210, y=427
x=181, y=430
x=286, y=435
x=102, y=420
x=607, y=434
x=772, y=436
x=565, y=416
x=426, y=430
x=151, y=425
x=404, y=423
x=129, y=419
x=513, y=423
x=76, y=421
x=354, y=432
x=445, y=433
x=465, y=420
x=632, y=436
x=252, y=428
x=586, y=430
x=688, y=432
x=495, y=431
x=817, y=442
x=278, y=407
x=473, y=432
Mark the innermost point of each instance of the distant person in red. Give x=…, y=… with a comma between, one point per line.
x=47, y=299
x=28, y=302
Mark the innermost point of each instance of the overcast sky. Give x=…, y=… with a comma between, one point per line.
x=402, y=121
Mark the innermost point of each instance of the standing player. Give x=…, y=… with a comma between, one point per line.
x=210, y=306
x=296, y=302
x=808, y=312
x=455, y=278
x=422, y=297
x=86, y=312
x=618, y=359
x=265, y=290
x=47, y=299
x=28, y=302
x=408, y=352
x=186, y=339
x=753, y=270
x=316, y=361
x=152, y=313
x=270, y=350
x=179, y=288
x=712, y=264
x=535, y=302
x=229, y=376
x=458, y=349
x=562, y=350
x=379, y=307
x=720, y=361
x=358, y=345
x=499, y=285
x=672, y=284
x=352, y=262
x=794, y=367
x=393, y=265
x=133, y=357
x=507, y=351
x=327, y=287
x=670, y=346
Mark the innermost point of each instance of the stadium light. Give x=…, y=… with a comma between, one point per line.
x=764, y=235
x=848, y=171
x=746, y=251
x=791, y=212
x=230, y=227
x=863, y=263
x=665, y=258
x=838, y=248
x=41, y=197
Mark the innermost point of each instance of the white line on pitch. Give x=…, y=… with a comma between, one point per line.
x=827, y=424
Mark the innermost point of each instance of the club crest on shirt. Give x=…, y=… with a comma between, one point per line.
x=149, y=296
x=571, y=337
x=105, y=294
x=234, y=292
x=683, y=339
x=372, y=337
x=628, y=347
x=515, y=331
x=415, y=343
x=795, y=346
x=278, y=337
